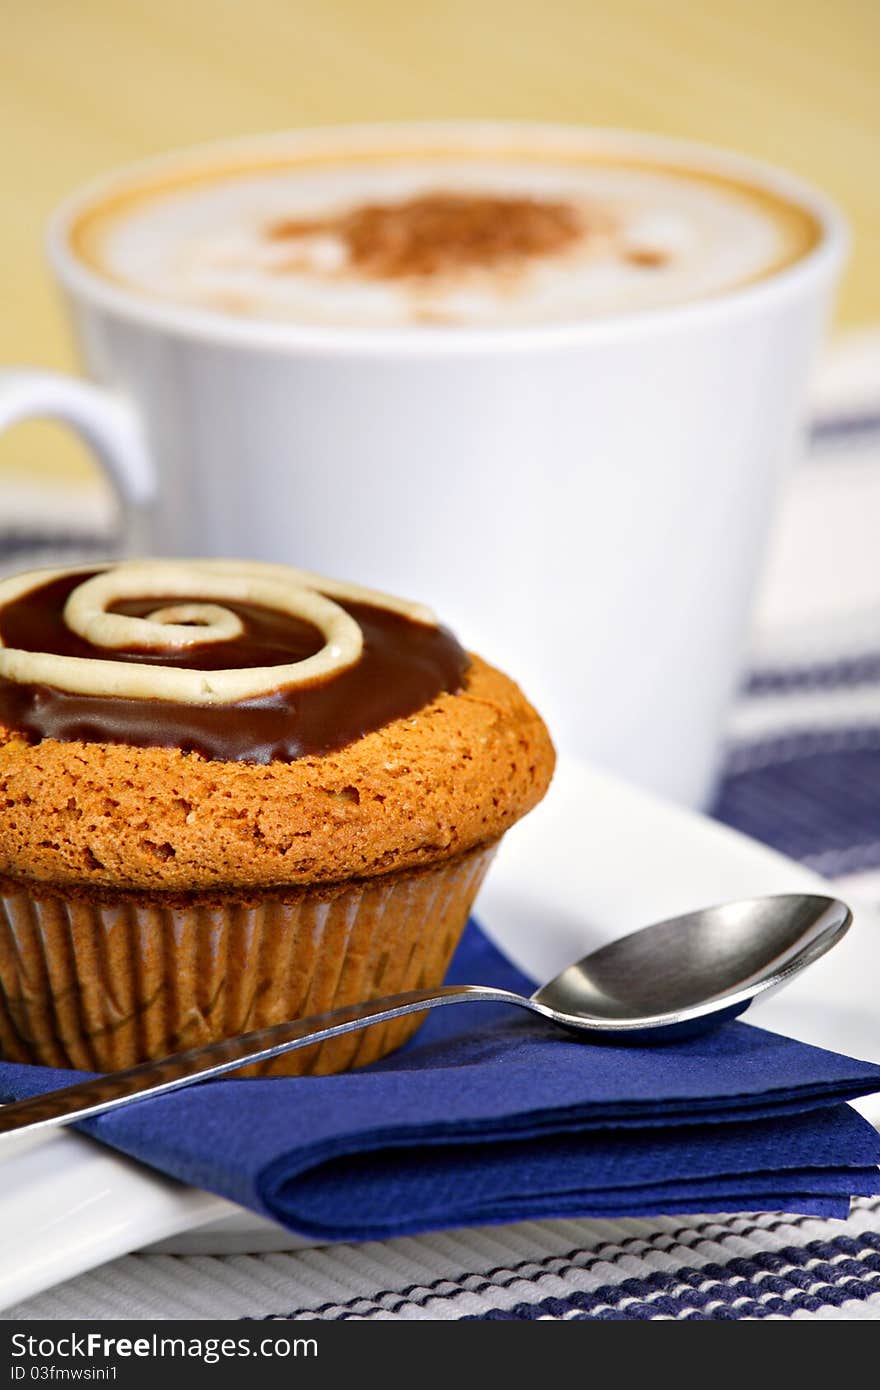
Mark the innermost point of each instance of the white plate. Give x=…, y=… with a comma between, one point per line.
x=596, y=859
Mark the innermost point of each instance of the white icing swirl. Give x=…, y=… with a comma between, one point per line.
x=186, y=625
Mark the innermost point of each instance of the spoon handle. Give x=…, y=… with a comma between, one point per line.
x=108, y=1092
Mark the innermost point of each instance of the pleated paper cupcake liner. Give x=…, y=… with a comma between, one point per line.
x=103, y=984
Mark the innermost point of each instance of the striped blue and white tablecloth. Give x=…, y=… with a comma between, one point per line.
x=802, y=774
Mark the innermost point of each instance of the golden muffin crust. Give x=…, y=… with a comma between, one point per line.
x=420, y=790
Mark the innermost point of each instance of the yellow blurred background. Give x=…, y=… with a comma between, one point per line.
x=89, y=84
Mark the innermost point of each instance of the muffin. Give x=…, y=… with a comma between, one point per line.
x=233, y=794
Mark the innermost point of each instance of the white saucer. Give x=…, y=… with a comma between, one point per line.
x=596, y=859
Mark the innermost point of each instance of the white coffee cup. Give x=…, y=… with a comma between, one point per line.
x=585, y=503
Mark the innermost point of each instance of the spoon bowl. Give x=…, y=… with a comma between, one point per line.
x=681, y=976
x=690, y=970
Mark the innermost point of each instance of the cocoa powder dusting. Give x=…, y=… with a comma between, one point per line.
x=441, y=233
x=647, y=257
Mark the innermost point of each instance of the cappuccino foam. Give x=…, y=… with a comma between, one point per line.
x=390, y=240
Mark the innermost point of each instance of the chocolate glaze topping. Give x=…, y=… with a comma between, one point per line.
x=404, y=665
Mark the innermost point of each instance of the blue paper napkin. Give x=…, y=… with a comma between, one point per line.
x=492, y=1115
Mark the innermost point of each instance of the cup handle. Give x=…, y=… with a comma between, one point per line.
x=106, y=424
